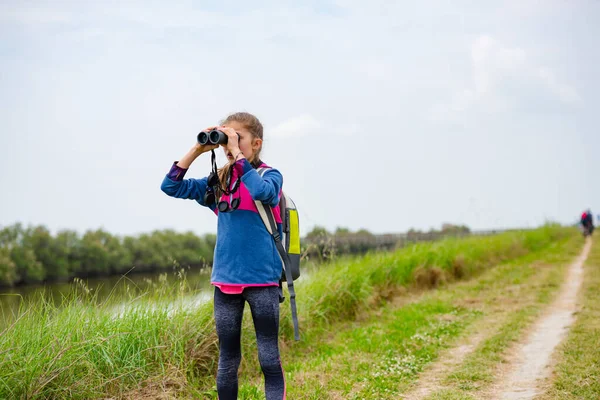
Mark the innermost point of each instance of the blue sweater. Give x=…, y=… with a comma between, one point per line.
x=245, y=252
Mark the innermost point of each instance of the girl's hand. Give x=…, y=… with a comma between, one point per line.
x=195, y=151
x=233, y=144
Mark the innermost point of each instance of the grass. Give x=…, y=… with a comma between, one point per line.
x=87, y=350
x=381, y=356
x=480, y=368
x=82, y=349
x=351, y=285
x=577, y=369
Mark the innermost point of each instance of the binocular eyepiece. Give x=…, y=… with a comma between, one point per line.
x=213, y=137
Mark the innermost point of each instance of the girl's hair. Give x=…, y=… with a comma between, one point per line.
x=253, y=125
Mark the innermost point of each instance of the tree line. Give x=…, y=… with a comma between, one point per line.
x=33, y=255
x=325, y=245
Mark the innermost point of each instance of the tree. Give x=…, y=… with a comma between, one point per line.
x=451, y=229
x=68, y=246
x=10, y=236
x=317, y=232
x=95, y=258
x=8, y=269
x=364, y=233
x=49, y=252
x=342, y=231
x=29, y=269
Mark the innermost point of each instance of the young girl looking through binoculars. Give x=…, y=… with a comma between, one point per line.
x=246, y=266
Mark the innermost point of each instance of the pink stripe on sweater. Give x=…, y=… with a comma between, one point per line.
x=246, y=201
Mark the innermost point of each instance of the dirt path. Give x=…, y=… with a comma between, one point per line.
x=529, y=363
x=430, y=381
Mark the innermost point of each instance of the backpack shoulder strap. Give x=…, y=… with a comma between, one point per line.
x=266, y=213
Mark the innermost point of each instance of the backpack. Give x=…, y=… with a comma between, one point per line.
x=288, y=245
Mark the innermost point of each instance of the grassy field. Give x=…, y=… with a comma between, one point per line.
x=525, y=292
x=381, y=355
x=357, y=341
x=577, y=369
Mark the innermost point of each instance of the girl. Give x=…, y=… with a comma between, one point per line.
x=246, y=266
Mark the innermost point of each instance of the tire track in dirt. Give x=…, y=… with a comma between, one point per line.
x=529, y=362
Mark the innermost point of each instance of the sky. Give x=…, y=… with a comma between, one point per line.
x=381, y=115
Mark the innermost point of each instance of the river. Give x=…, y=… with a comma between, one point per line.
x=118, y=289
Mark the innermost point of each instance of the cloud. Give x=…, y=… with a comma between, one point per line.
x=565, y=92
x=505, y=79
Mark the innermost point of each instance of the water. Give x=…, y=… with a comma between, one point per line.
x=194, y=284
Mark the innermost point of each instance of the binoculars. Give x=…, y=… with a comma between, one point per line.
x=215, y=136
x=223, y=206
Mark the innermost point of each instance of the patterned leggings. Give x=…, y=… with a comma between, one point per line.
x=229, y=310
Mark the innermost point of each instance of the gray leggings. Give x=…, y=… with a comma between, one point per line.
x=229, y=310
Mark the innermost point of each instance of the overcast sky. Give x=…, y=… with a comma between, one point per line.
x=382, y=115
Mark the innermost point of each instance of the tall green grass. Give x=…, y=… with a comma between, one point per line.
x=350, y=285
x=82, y=349
x=577, y=370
